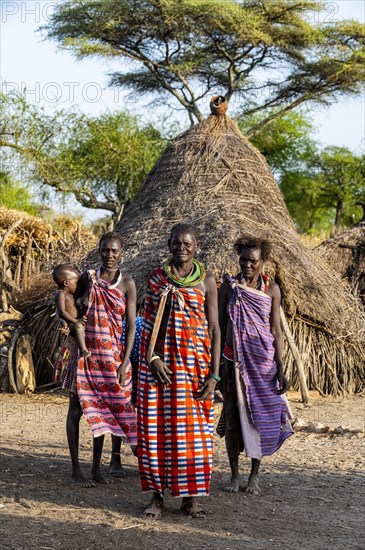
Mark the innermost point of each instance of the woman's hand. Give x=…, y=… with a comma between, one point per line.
x=160, y=372
x=121, y=372
x=206, y=389
x=284, y=385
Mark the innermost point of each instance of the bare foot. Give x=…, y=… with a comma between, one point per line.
x=192, y=508
x=233, y=487
x=82, y=481
x=253, y=486
x=99, y=478
x=154, y=509
x=116, y=470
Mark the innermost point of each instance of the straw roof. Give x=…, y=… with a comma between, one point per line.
x=32, y=247
x=29, y=248
x=23, y=225
x=345, y=253
x=22, y=229
x=213, y=177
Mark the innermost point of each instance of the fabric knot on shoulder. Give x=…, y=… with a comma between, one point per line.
x=91, y=273
x=176, y=292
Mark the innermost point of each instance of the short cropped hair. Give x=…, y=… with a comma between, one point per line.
x=60, y=272
x=111, y=236
x=248, y=241
x=184, y=228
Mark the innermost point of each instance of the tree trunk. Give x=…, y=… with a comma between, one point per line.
x=338, y=220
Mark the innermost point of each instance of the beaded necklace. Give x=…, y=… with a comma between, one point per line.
x=262, y=284
x=195, y=276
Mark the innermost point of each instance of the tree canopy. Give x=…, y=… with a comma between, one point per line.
x=284, y=142
x=323, y=188
x=100, y=160
x=261, y=55
x=15, y=196
x=335, y=185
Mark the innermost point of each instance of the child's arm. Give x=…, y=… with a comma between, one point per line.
x=62, y=324
x=61, y=307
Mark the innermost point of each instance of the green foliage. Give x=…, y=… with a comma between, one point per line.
x=103, y=159
x=100, y=160
x=327, y=192
x=324, y=190
x=302, y=196
x=15, y=196
x=269, y=55
x=284, y=142
x=338, y=177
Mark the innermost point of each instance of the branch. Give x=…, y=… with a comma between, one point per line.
x=254, y=130
x=154, y=68
x=85, y=197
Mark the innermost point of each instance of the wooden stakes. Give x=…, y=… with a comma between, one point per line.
x=297, y=358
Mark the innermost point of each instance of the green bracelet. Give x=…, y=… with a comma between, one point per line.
x=217, y=378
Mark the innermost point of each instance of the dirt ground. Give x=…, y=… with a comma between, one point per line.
x=313, y=489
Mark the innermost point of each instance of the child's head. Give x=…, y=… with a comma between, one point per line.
x=65, y=276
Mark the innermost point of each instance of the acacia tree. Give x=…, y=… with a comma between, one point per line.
x=101, y=160
x=267, y=55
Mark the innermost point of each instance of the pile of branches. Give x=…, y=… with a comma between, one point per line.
x=29, y=249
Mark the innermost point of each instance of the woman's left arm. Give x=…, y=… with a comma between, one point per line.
x=275, y=327
x=211, y=312
x=130, y=322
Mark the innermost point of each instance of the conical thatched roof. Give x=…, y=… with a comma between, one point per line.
x=345, y=253
x=213, y=177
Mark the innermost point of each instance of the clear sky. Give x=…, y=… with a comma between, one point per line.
x=54, y=79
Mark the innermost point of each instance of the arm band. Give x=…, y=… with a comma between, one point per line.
x=154, y=357
x=217, y=378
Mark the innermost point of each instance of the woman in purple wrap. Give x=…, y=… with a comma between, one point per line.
x=256, y=415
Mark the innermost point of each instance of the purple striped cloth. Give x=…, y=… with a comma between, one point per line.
x=264, y=412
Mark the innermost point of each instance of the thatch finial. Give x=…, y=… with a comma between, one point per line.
x=218, y=105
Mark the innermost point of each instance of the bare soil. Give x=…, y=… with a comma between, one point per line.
x=313, y=489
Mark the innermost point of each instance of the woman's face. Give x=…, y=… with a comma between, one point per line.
x=183, y=247
x=251, y=262
x=110, y=253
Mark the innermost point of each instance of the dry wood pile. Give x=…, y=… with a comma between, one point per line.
x=29, y=249
x=345, y=253
x=214, y=178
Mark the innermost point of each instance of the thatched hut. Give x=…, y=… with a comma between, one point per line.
x=345, y=253
x=213, y=177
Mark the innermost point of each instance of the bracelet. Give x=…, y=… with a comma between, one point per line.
x=215, y=377
x=154, y=357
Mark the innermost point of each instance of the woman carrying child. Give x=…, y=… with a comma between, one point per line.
x=104, y=380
